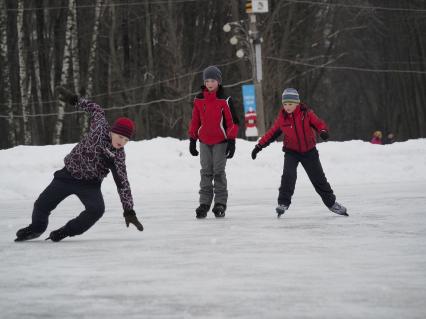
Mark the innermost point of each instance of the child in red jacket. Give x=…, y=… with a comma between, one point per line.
x=299, y=124
x=215, y=124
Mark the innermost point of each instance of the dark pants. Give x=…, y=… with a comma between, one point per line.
x=312, y=165
x=89, y=194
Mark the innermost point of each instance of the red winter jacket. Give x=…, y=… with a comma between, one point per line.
x=298, y=127
x=213, y=118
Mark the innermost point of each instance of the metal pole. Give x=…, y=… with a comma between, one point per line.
x=257, y=65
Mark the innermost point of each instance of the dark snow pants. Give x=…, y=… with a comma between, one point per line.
x=312, y=165
x=60, y=188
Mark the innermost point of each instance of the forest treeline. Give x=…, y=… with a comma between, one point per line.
x=360, y=64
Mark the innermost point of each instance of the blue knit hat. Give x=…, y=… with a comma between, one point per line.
x=290, y=95
x=212, y=72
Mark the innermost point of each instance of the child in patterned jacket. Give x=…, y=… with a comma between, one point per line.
x=89, y=162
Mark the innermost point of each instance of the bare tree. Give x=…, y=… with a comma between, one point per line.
x=92, y=60
x=66, y=67
x=25, y=79
x=7, y=130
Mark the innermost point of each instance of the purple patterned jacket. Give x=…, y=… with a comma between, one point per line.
x=94, y=156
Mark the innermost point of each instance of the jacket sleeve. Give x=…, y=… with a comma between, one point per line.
x=195, y=123
x=231, y=119
x=318, y=124
x=119, y=173
x=96, y=113
x=272, y=134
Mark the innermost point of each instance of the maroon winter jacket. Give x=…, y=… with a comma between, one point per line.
x=213, y=118
x=298, y=127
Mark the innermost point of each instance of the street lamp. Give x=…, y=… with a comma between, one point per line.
x=249, y=41
x=233, y=40
x=240, y=53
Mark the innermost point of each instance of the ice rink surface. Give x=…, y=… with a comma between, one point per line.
x=308, y=264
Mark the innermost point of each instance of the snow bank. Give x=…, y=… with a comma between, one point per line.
x=165, y=165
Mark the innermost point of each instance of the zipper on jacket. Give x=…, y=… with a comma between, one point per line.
x=304, y=133
x=297, y=135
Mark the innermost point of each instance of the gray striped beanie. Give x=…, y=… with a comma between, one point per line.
x=290, y=95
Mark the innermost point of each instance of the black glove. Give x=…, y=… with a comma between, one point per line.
x=193, y=147
x=230, y=149
x=130, y=218
x=256, y=150
x=324, y=135
x=66, y=95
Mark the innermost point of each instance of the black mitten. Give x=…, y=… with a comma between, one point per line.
x=324, y=135
x=66, y=95
x=193, y=147
x=256, y=150
x=230, y=149
x=130, y=218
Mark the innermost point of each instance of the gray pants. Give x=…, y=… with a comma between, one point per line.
x=213, y=162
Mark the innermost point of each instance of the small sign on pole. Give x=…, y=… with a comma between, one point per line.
x=260, y=6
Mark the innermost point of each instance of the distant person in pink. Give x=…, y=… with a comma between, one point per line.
x=377, y=138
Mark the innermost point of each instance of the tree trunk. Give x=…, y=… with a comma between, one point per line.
x=92, y=62
x=75, y=54
x=44, y=67
x=6, y=112
x=66, y=66
x=23, y=71
x=13, y=65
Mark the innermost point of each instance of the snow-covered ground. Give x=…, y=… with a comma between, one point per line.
x=308, y=264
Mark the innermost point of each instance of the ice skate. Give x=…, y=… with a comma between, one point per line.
x=281, y=209
x=26, y=233
x=202, y=210
x=219, y=210
x=338, y=209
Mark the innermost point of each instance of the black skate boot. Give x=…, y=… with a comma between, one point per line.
x=219, y=210
x=27, y=233
x=281, y=209
x=58, y=235
x=202, y=210
x=338, y=209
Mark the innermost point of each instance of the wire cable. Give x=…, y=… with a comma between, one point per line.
x=141, y=3
x=122, y=106
x=354, y=6
x=324, y=66
x=142, y=86
x=338, y=5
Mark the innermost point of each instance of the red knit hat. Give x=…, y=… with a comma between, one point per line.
x=123, y=126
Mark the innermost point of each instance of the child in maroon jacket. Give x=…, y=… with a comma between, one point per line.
x=88, y=163
x=215, y=124
x=299, y=124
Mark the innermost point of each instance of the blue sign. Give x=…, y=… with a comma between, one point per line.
x=249, y=98
x=250, y=116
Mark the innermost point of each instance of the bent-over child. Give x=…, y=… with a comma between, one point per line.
x=88, y=163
